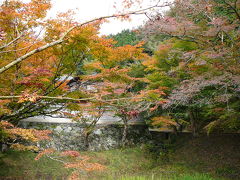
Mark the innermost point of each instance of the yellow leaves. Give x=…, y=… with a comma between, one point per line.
x=150, y=63
x=127, y=52
x=3, y=106
x=10, y=134
x=21, y=147
x=26, y=96
x=24, y=134
x=93, y=113
x=96, y=65
x=106, y=54
x=163, y=120
x=112, y=75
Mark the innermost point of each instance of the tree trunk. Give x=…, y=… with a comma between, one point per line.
x=86, y=141
x=193, y=121
x=125, y=131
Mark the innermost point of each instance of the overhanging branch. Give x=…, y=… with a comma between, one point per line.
x=61, y=39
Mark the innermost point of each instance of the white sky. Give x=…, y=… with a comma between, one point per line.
x=89, y=9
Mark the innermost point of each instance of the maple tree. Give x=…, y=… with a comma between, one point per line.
x=198, y=63
x=39, y=55
x=36, y=66
x=46, y=62
x=113, y=87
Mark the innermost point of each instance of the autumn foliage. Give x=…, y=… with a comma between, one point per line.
x=182, y=72
x=16, y=137
x=72, y=159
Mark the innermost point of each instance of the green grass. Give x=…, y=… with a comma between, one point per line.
x=126, y=164
x=161, y=177
x=18, y=165
x=194, y=159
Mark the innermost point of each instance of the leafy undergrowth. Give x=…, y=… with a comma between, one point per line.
x=205, y=158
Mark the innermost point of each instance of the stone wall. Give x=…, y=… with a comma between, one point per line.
x=69, y=136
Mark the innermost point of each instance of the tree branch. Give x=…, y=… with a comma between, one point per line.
x=48, y=97
x=234, y=8
x=71, y=99
x=8, y=44
x=61, y=39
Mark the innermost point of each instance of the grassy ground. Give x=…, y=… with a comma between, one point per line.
x=205, y=158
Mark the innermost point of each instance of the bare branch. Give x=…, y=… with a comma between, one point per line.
x=11, y=42
x=69, y=99
x=48, y=97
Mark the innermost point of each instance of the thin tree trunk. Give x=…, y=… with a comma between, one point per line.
x=125, y=132
x=193, y=121
x=86, y=141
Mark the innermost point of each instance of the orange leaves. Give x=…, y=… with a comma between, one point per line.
x=107, y=55
x=153, y=94
x=24, y=134
x=110, y=89
x=42, y=134
x=112, y=75
x=150, y=63
x=44, y=152
x=9, y=134
x=17, y=19
x=74, y=175
x=127, y=52
x=83, y=164
x=63, y=85
x=76, y=161
x=28, y=134
x=163, y=120
x=70, y=153
x=26, y=96
x=5, y=124
x=96, y=65
x=26, y=13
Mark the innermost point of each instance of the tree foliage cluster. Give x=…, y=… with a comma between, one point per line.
x=41, y=58
x=194, y=59
x=198, y=63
